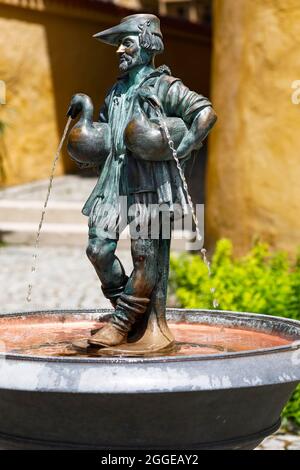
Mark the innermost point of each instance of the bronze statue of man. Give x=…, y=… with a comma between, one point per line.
x=135, y=169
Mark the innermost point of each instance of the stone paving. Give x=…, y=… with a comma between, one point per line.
x=64, y=278
x=281, y=441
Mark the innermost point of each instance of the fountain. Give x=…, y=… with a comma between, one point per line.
x=139, y=376
x=223, y=389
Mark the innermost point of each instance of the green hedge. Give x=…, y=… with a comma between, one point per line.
x=260, y=282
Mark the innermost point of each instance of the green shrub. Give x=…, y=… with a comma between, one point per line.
x=260, y=282
x=291, y=413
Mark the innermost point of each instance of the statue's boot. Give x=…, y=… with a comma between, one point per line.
x=109, y=341
x=129, y=309
x=112, y=294
x=108, y=335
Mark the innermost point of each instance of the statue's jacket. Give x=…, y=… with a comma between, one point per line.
x=124, y=175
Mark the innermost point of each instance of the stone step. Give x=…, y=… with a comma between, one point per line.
x=53, y=234
x=65, y=235
x=64, y=224
x=30, y=211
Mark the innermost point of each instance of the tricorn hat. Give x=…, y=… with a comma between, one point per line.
x=132, y=24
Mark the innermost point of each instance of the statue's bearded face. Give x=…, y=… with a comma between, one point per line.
x=131, y=54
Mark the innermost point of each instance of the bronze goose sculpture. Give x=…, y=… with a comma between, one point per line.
x=89, y=142
x=145, y=137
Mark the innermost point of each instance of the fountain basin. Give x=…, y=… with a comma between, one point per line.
x=224, y=388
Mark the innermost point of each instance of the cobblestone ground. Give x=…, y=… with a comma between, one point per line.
x=66, y=279
x=281, y=441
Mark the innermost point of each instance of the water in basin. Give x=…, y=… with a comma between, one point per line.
x=51, y=335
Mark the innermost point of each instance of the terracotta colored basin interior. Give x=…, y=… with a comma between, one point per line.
x=51, y=335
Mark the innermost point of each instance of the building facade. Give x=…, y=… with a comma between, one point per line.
x=48, y=54
x=253, y=171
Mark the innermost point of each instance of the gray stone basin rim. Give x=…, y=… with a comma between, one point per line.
x=228, y=400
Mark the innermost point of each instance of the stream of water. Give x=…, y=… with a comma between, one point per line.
x=203, y=251
x=37, y=240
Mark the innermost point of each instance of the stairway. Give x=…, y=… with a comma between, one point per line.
x=64, y=224
x=21, y=208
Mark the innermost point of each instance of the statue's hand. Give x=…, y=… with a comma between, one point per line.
x=77, y=105
x=198, y=131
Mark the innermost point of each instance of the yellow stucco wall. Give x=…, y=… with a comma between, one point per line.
x=252, y=187
x=30, y=133
x=47, y=55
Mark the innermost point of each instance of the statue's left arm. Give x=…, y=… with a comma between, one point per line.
x=201, y=125
x=195, y=110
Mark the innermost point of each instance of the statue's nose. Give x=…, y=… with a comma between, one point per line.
x=121, y=49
